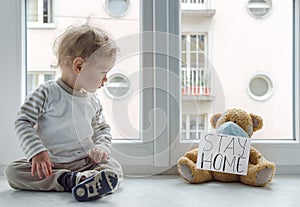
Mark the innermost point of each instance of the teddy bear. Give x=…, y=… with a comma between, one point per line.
x=235, y=122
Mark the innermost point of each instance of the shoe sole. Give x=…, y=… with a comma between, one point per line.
x=95, y=186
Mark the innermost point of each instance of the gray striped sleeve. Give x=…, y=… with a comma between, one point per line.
x=26, y=120
x=102, y=136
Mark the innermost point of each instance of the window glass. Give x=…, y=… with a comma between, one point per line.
x=259, y=8
x=117, y=8
x=249, y=69
x=183, y=43
x=31, y=82
x=32, y=10
x=117, y=86
x=48, y=77
x=39, y=11
x=47, y=11
x=40, y=57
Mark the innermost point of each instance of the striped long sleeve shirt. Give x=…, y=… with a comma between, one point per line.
x=64, y=122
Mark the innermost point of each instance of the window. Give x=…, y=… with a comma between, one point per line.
x=260, y=87
x=226, y=55
x=117, y=8
x=234, y=58
x=193, y=125
x=117, y=86
x=259, y=8
x=36, y=77
x=196, y=75
x=39, y=12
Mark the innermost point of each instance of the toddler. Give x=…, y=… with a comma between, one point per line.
x=61, y=128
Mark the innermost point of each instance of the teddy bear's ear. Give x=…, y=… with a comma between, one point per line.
x=257, y=122
x=214, y=119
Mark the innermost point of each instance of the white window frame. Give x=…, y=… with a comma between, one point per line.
x=153, y=156
x=285, y=153
x=40, y=23
x=167, y=147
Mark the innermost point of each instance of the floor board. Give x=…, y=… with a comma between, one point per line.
x=165, y=191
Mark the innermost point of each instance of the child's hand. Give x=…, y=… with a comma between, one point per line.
x=98, y=155
x=42, y=164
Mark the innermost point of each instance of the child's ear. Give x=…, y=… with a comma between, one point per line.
x=257, y=122
x=214, y=119
x=77, y=64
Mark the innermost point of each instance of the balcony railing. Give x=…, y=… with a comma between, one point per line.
x=195, y=4
x=197, y=7
x=197, y=82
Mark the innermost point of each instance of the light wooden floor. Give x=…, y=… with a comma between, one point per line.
x=165, y=191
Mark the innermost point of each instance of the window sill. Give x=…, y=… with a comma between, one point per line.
x=36, y=25
x=282, y=143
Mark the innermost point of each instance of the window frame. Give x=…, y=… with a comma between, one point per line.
x=154, y=45
x=168, y=147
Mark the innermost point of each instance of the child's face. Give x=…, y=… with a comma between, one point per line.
x=93, y=73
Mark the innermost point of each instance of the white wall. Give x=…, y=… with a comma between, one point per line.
x=9, y=79
x=244, y=46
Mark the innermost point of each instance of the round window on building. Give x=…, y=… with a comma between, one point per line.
x=260, y=87
x=117, y=86
x=117, y=8
x=259, y=8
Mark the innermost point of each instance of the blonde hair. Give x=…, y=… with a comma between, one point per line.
x=83, y=41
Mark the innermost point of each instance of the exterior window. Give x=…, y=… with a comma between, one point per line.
x=32, y=82
x=40, y=11
x=36, y=77
x=117, y=8
x=260, y=87
x=48, y=77
x=193, y=125
x=117, y=86
x=196, y=75
x=259, y=8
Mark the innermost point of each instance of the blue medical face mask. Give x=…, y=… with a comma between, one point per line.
x=232, y=129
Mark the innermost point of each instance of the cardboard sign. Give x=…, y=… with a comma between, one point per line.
x=224, y=153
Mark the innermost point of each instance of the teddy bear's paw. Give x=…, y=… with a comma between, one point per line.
x=264, y=176
x=185, y=172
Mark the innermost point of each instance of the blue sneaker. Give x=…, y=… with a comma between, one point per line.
x=96, y=186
